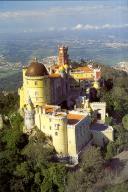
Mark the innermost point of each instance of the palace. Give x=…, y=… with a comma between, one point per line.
x=56, y=99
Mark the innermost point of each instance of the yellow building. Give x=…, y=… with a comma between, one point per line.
x=82, y=73
x=81, y=76
x=42, y=87
x=41, y=94
x=36, y=85
x=53, y=87
x=70, y=131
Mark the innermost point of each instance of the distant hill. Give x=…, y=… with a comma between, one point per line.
x=11, y=82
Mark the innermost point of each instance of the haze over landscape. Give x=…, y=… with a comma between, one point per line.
x=95, y=30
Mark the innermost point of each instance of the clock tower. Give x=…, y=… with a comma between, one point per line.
x=63, y=57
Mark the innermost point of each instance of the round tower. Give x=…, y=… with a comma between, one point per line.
x=29, y=115
x=37, y=84
x=59, y=134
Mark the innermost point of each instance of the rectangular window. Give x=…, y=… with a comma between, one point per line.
x=56, y=133
x=36, y=93
x=35, y=82
x=57, y=126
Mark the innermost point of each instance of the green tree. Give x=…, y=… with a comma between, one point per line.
x=108, y=120
x=92, y=159
x=117, y=188
x=125, y=121
x=91, y=169
x=111, y=150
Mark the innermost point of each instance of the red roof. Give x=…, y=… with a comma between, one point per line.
x=74, y=118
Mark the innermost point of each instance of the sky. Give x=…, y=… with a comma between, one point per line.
x=39, y=16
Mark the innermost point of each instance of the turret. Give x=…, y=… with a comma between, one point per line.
x=63, y=56
x=29, y=115
x=36, y=84
x=1, y=122
x=59, y=134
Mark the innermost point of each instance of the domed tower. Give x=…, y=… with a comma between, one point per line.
x=36, y=85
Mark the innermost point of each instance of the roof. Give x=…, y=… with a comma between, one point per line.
x=91, y=79
x=99, y=127
x=74, y=118
x=49, y=108
x=36, y=69
x=85, y=69
x=54, y=75
x=54, y=110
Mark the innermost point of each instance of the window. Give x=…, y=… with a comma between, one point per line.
x=36, y=93
x=56, y=133
x=57, y=126
x=98, y=116
x=35, y=82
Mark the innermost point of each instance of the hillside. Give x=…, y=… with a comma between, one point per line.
x=11, y=82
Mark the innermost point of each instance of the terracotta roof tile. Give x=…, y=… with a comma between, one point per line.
x=85, y=69
x=74, y=118
x=54, y=75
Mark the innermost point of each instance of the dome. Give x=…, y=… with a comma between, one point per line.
x=36, y=69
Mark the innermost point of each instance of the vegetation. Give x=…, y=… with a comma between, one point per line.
x=91, y=169
x=118, y=188
x=29, y=164
x=9, y=102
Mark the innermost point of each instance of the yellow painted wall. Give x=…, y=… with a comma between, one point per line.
x=78, y=75
x=109, y=134
x=21, y=94
x=37, y=88
x=21, y=90
x=96, y=85
x=56, y=127
x=71, y=141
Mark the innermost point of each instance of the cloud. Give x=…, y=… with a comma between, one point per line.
x=20, y=14
x=59, y=10
x=98, y=27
